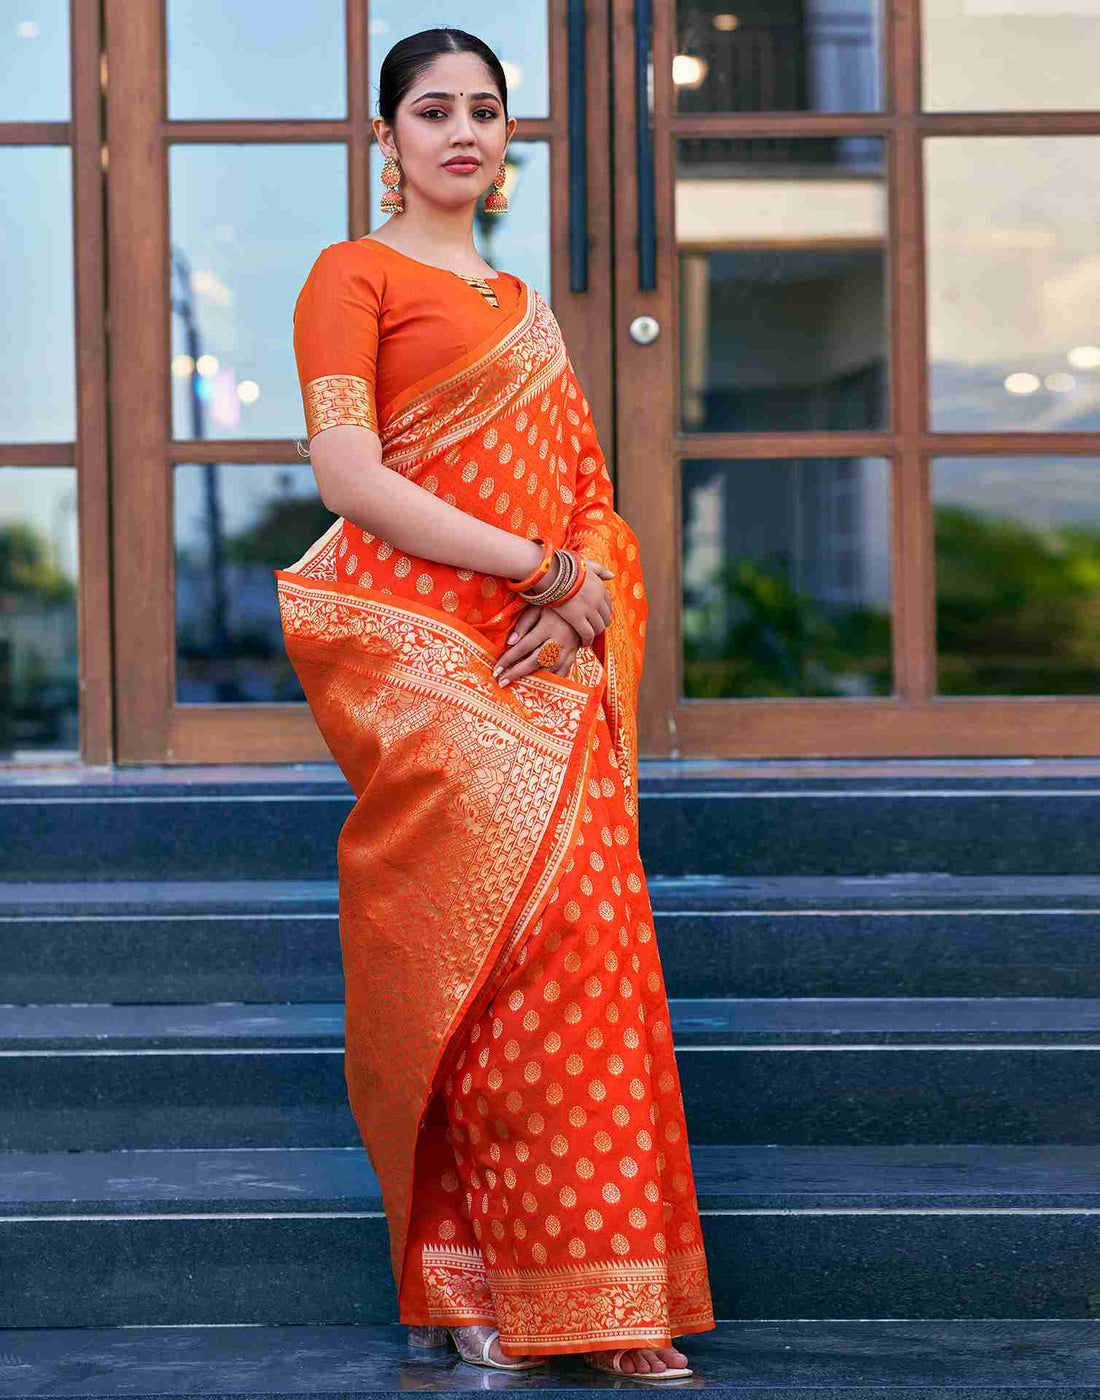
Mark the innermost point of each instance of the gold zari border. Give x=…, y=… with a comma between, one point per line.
x=339, y=398
x=592, y=1304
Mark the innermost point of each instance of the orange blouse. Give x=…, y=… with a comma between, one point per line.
x=369, y=321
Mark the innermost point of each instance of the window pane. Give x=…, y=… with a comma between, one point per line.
x=517, y=34
x=782, y=284
x=240, y=253
x=1017, y=575
x=1010, y=55
x=786, y=578
x=518, y=241
x=234, y=524
x=34, y=62
x=255, y=59
x=38, y=638
x=779, y=56
x=37, y=375
x=1013, y=282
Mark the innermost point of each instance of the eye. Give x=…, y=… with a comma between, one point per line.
x=492, y=111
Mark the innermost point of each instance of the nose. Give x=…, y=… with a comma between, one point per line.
x=464, y=130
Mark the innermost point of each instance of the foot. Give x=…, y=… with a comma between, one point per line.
x=472, y=1339
x=643, y=1360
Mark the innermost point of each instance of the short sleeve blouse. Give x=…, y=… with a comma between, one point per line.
x=370, y=321
x=336, y=325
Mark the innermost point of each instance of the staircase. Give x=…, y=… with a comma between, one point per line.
x=885, y=995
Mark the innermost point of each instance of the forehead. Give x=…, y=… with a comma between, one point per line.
x=454, y=72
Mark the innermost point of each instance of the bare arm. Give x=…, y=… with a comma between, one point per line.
x=347, y=462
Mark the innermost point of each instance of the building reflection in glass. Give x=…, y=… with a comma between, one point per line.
x=254, y=60
x=786, y=578
x=783, y=310
x=1017, y=575
x=778, y=56
x=229, y=644
x=39, y=668
x=248, y=249
x=1009, y=55
x=1013, y=283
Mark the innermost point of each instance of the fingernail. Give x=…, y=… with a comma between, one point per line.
x=505, y=682
x=496, y=672
x=512, y=638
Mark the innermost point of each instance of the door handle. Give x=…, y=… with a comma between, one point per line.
x=644, y=330
x=578, y=147
x=643, y=146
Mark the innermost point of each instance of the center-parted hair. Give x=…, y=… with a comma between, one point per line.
x=410, y=56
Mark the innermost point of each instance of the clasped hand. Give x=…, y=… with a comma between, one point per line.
x=574, y=624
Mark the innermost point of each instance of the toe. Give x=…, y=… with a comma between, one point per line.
x=656, y=1364
x=498, y=1354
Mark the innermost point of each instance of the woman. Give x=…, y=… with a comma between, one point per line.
x=469, y=635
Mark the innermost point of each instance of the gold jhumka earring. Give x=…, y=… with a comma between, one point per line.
x=495, y=202
x=392, y=203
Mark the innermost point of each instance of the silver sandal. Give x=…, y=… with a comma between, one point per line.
x=422, y=1338
x=670, y=1373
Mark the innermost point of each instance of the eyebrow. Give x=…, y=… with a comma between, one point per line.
x=450, y=95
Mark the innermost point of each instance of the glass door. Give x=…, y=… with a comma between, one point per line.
x=55, y=641
x=858, y=380
x=240, y=146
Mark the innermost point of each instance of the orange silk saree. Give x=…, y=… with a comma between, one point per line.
x=508, y=1056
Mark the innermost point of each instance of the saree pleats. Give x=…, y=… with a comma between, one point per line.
x=508, y=1054
x=556, y=1195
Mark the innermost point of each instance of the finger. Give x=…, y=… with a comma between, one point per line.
x=526, y=649
x=521, y=669
x=562, y=668
x=600, y=571
x=519, y=633
x=527, y=619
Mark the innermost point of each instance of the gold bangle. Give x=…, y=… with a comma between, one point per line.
x=565, y=559
x=573, y=589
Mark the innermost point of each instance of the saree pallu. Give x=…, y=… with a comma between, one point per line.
x=508, y=1054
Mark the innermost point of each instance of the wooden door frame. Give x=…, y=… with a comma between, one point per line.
x=151, y=726
x=915, y=721
x=83, y=135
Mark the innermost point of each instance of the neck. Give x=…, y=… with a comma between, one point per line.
x=445, y=235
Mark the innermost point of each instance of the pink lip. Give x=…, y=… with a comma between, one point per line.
x=461, y=165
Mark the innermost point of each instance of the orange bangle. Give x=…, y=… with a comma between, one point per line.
x=540, y=570
x=578, y=582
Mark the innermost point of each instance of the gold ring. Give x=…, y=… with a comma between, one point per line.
x=549, y=654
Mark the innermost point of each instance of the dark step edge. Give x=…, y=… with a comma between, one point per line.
x=340, y=1181
x=698, y=1024
x=988, y=896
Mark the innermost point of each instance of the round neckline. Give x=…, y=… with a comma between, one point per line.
x=434, y=266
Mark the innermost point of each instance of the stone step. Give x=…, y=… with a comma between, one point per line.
x=246, y=1236
x=868, y=1359
x=278, y=940
x=697, y=825
x=814, y=1070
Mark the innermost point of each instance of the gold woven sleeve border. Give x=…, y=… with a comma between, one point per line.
x=339, y=398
